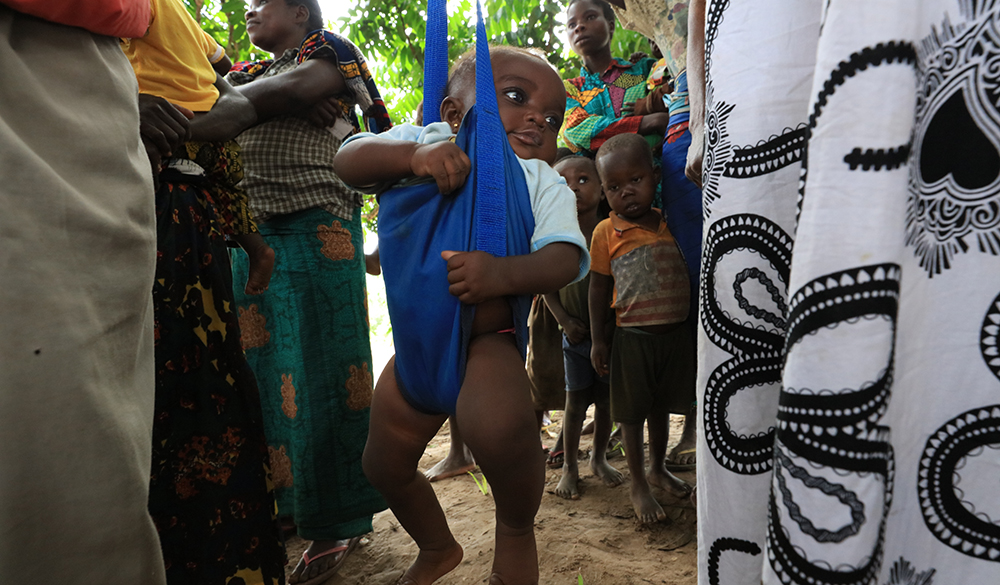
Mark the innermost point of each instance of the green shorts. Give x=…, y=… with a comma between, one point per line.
x=651, y=374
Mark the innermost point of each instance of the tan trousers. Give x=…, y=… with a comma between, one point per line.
x=77, y=250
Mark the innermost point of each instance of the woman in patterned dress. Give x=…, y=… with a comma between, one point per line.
x=307, y=336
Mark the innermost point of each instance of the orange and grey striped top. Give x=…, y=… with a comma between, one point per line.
x=651, y=278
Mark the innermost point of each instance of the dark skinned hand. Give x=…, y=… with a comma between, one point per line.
x=444, y=162
x=473, y=276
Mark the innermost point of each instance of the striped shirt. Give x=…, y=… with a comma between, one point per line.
x=650, y=276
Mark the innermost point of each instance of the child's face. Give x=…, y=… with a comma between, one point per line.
x=581, y=176
x=588, y=30
x=629, y=183
x=532, y=102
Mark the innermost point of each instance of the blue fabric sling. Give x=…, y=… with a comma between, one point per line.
x=492, y=213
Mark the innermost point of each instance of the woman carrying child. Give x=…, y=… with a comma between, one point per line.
x=491, y=403
x=306, y=337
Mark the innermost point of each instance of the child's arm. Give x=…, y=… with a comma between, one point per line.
x=601, y=286
x=372, y=161
x=573, y=328
x=231, y=114
x=477, y=276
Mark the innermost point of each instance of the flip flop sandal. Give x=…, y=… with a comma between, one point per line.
x=347, y=549
x=555, y=459
x=671, y=466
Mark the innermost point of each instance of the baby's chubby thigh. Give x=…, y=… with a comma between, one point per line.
x=497, y=420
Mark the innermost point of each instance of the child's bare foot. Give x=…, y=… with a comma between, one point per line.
x=608, y=474
x=261, y=266
x=647, y=509
x=567, y=487
x=456, y=463
x=432, y=565
x=669, y=483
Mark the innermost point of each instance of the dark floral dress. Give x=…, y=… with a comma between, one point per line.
x=211, y=495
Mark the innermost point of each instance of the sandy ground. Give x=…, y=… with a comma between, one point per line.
x=595, y=540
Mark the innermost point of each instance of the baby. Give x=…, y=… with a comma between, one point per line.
x=180, y=63
x=491, y=402
x=638, y=269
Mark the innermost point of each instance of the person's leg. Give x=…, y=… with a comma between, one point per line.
x=497, y=419
x=647, y=509
x=459, y=459
x=397, y=437
x=683, y=453
x=577, y=402
x=602, y=434
x=659, y=432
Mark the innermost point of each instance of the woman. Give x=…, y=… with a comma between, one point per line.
x=307, y=336
x=594, y=101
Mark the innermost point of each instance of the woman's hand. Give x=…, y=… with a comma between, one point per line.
x=695, y=155
x=655, y=124
x=323, y=113
x=444, y=162
x=163, y=127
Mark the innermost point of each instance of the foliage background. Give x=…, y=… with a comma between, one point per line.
x=390, y=33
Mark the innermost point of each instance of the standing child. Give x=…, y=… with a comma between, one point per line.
x=638, y=266
x=491, y=404
x=570, y=308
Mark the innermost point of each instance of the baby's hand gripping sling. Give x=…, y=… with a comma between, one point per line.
x=492, y=213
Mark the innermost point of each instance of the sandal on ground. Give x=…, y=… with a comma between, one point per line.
x=671, y=466
x=347, y=549
x=555, y=459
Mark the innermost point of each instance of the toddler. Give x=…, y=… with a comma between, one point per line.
x=181, y=63
x=491, y=404
x=638, y=269
x=571, y=310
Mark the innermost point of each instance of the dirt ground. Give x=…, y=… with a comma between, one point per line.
x=595, y=540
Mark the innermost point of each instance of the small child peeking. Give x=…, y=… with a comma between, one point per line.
x=571, y=309
x=638, y=269
x=491, y=403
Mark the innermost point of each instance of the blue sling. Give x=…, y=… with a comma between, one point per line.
x=492, y=213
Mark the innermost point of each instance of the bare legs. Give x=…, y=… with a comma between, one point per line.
x=645, y=506
x=684, y=452
x=500, y=431
x=577, y=403
x=458, y=461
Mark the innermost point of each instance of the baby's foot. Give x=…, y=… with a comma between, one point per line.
x=261, y=266
x=567, y=487
x=608, y=474
x=432, y=565
x=669, y=483
x=647, y=509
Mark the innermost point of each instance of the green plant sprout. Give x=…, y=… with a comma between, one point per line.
x=579, y=579
x=481, y=484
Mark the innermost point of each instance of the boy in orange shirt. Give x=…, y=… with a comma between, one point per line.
x=638, y=269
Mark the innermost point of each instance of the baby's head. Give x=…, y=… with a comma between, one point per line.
x=530, y=97
x=625, y=163
x=581, y=176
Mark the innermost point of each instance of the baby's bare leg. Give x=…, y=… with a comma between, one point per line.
x=397, y=437
x=261, y=262
x=497, y=419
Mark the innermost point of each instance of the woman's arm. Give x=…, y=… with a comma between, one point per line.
x=232, y=113
x=292, y=91
x=696, y=89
